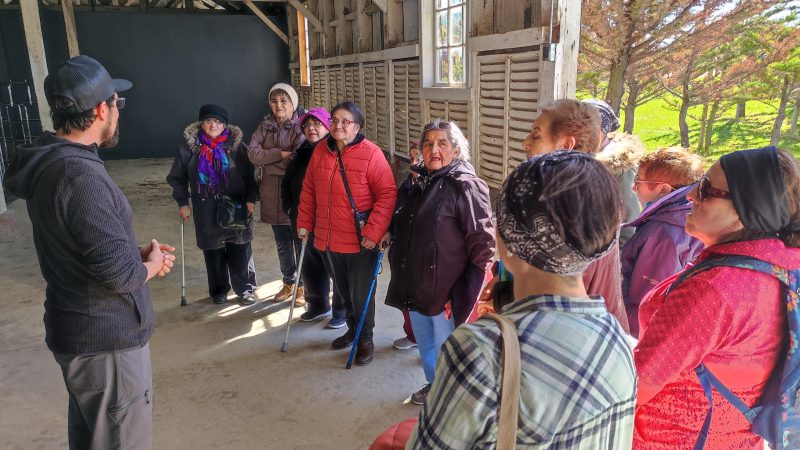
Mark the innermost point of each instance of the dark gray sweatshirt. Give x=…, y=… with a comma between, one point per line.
x=96, y=298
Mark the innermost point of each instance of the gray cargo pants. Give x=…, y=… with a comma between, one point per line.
x=110, y=398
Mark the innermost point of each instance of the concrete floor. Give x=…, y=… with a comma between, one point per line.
x=219, y=377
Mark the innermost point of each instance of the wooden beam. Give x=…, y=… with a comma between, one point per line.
x=393, y=23
x=328, y=33
x=364, y=27
x=33, y=37
x=307, y=13
x=266, y=21
x=527, y=37
x=344, y=32
x=69, y=25
x=409, y=51
x=293, y=34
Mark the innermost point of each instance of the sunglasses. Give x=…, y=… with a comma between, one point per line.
x=436, y=126
x=637, y=181
x=705, y=190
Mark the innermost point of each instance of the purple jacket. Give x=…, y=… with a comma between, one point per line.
x=657, y=250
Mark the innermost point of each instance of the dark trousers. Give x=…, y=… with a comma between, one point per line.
x=234, y=261
x=352, y=277
x=407, y=327
x=288, y=252
x=110, y=399
x=317, y=282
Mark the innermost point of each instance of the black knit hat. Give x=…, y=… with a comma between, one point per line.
x=215, y=111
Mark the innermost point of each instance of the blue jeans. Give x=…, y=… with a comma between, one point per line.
x=430, y=332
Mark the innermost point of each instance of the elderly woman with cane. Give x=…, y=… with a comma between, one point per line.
x=210, y=172
x=347, y=202
x=443, y=243
x=315, y=124
x=578, y=386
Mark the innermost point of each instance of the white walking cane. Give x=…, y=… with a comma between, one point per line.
x=183, y=268
x=285, y=345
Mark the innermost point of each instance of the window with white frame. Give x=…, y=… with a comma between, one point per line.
x=449, y=41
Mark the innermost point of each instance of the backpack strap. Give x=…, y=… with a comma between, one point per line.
x=706, y=378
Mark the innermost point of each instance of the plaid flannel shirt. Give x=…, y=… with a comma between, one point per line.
x=578, y=381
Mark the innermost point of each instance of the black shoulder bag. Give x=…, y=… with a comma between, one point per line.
x=359, y=217
x=232, y=215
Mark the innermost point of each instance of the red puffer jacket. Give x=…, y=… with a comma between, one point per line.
x=324, y=207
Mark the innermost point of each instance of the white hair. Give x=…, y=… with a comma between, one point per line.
x=456, y=136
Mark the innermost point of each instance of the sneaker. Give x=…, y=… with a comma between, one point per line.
x=300, y=300
x=283, y=294
x=404, y=343
x=418, y=398
x=247, y=299
x=310, y=316
x=336, y=322
x=220, y=299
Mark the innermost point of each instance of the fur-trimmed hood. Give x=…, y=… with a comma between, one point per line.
x=191, y=131
x=622, y=153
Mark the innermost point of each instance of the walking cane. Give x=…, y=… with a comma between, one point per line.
x=364, y=312
x=183, y=268
x=285, y=345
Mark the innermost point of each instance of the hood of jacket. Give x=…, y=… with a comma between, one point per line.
x=771, y=250
x=622, y=153
x=191, y=131
x=30, y=160
x=671, y=208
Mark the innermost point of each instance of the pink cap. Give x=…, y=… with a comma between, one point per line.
x=318, y=113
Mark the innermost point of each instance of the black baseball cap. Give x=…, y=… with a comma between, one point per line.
x=84, y=81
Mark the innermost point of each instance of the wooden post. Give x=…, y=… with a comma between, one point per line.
x=557, y=79
x=292, y=30
x=393, y=21
x=69, y=25
x=306, y=11
x=38, y=61
x=364, y=23
x=344, y=31
x=328, y=36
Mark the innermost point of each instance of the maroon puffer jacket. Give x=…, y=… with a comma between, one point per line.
x=324, y=207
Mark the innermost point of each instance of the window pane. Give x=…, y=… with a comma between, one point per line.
x=443, y=67
x=441, y=25
x=457, y=63
x=457, y=26
x=456, y=2
x=441, y=4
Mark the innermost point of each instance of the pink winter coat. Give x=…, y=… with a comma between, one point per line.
x=264, y=152
x=324, y=206
x=730, y=319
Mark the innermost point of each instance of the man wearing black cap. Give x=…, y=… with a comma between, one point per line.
x=98, y=311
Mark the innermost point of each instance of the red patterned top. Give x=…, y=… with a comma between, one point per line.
x=730, y=319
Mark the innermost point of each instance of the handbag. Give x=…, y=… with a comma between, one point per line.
x=232, y=215
x=359, y=217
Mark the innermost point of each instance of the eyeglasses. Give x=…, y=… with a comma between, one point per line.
x=436, y=126
x=344, y=122
x=212, y=121
x=705, y=190
x=314, y=123
x=119, y=102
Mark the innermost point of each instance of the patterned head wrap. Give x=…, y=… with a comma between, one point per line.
x=525, y=225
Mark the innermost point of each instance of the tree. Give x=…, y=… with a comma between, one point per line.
x=616, y=34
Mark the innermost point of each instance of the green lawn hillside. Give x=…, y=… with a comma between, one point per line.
x=657, y=125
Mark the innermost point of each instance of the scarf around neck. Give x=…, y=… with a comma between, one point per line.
x=212, y=166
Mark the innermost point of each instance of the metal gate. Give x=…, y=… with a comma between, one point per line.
x=19, y=119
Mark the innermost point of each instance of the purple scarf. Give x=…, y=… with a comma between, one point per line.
x=212, y=165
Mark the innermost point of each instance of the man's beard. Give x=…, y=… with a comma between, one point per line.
x=110, y=139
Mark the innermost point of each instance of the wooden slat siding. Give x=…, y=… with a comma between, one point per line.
x=437, y=109
x=382, y=106
x=414, y=103
x=458, y=112
x=370, y=105
x=401, y=108
x=507, y=101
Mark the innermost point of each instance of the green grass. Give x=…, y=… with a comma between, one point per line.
x=657, y=125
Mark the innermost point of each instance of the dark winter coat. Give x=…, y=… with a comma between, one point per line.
x=658, y=249
x=621, y=157
x=264, y=152
x=242, y=186
x=292, y=183
x=96, y=298
x=443, y=242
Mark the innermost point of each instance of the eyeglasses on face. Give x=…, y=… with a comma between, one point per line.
x=212, y=121
x=637, y=181
x=118, y=102
x=705, y=190
x=315, y=123
x=344, y=122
